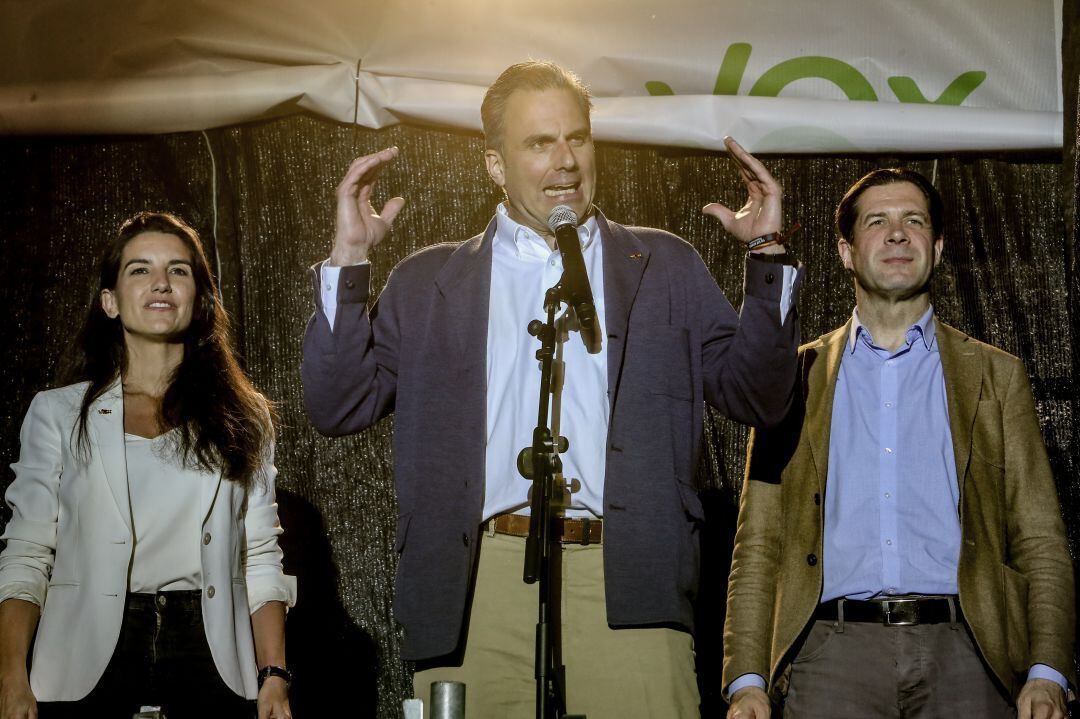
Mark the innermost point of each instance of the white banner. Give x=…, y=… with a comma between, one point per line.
x=780, y=75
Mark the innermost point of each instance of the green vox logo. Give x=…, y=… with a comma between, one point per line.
x=845, y=76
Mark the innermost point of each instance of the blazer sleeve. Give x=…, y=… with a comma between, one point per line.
x=749, y=359
x=34, y=498
x=266, y=580
x=752, y=583
x=1035, y=534
x=349, y=372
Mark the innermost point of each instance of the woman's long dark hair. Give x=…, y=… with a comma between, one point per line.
x=223, y=422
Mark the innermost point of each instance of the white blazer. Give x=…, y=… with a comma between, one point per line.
x=69, y=548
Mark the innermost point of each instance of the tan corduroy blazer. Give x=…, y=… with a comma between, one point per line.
x=1015, y=575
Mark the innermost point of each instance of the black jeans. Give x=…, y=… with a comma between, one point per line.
x=161, y=659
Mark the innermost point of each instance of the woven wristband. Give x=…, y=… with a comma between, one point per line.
x=773, y=238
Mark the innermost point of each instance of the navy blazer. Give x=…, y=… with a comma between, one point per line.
x=674, y=343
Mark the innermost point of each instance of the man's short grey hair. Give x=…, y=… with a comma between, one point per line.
x=529, y=75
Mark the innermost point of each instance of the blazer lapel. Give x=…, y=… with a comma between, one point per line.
x=458, y=327
x=961, y=364
x=105, y=422
x=464, y=284
x=821, y=387
x=625, y=260
x=211, y=486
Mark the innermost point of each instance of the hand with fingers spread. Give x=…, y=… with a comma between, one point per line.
x=358, y=228
x=763, y=212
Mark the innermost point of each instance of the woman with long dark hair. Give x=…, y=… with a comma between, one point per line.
x=142, y=545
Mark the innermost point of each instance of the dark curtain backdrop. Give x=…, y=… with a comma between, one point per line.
x=1008, y=278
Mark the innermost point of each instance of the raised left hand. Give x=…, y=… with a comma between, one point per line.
x=763, y=212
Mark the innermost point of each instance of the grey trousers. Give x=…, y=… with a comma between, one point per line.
x=870, y=670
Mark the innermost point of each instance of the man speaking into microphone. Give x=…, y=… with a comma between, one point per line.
x=445, y=348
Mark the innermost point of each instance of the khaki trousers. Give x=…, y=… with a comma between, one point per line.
x=617, y=673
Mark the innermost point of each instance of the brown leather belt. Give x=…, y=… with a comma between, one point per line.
x=571, y=531
x=901, y=612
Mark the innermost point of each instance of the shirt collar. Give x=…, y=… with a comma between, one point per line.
x=518, y=237
x=924, y=328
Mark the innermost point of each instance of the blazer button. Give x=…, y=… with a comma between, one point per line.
x=769, y=277
x=206, y=538
x=817, y=498
x=811, y=559
x=210, y=592
x=349, y=284
x=465, y=539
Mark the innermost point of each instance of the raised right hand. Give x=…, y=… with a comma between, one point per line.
x=16, y=699
x=749, y=703
x=358, y=227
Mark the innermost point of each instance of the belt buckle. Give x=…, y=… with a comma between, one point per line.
x=900, y=613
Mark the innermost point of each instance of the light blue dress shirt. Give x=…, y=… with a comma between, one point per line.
x=892, y=524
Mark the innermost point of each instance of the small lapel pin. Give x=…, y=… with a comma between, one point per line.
x=104, y=411
x=635, y=256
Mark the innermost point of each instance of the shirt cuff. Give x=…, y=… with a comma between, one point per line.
x=790, y=273
x=746, y=680
x=328, y=280
x=761, y=273
x=263, y=589
x=328, y=288
x=1045, y=671
x=25, y=592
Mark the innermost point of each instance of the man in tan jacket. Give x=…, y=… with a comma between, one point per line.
x=900, y=550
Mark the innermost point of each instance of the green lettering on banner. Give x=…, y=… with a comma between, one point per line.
x=732, y=69
x=958, y=90
x=845, y=76
x=838, y=72
x=657, y=88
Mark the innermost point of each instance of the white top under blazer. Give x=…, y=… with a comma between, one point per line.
x=165, y=496
x=70, y=547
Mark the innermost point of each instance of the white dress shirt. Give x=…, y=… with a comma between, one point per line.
x=523, y=267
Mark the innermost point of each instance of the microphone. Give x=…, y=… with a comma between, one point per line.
x=575, y=280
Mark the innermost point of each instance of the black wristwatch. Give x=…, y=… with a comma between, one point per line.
x=271, y=671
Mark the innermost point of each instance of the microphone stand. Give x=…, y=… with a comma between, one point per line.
x=540, y=463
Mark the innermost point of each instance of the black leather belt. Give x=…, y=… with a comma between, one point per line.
x=902, y=612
